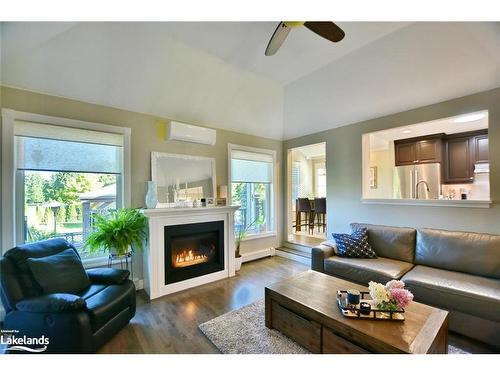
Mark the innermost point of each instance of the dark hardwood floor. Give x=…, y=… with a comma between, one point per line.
x=170, y=324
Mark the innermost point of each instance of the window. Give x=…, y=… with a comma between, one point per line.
x=64, y=176
x=320, y=179
x=296, y=187
x=252, y=188
x=63, y=204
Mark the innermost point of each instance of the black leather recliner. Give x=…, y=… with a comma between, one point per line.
x=74, y=323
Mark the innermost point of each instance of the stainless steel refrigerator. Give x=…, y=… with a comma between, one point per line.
x=419, y=181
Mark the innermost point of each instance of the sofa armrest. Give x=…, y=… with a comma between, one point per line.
x=52, y=303
x=107, y=275
x=319, y=254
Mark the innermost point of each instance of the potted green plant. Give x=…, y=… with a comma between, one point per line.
x=118, y=233
x=240, y=236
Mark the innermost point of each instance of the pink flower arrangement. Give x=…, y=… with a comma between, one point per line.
x=397, y=284
x=402, y=297
x=391, y=296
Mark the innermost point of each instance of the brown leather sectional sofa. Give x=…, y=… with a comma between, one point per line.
x=455, y=271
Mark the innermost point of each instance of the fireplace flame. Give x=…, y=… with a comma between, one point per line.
x=188, y=258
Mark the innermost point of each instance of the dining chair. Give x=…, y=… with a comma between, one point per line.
x=303, y=206
x=320, y=213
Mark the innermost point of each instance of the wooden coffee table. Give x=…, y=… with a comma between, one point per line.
x=305, y=309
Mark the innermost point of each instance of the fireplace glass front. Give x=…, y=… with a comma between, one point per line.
x=193, y=250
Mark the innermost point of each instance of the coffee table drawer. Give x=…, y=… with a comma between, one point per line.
x=304, y=331
x=333, y=344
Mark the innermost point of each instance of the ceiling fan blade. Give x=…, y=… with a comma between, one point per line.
x=326, y=29
x=277, y=39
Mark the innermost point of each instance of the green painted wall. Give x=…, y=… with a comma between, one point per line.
x=343, y=150
x=343, y=159
x=145, y=139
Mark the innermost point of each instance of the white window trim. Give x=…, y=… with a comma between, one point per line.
x=9, y=116
x=274, y=204
x=251, y=237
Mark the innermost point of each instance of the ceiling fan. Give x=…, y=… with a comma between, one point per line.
x=326, y=29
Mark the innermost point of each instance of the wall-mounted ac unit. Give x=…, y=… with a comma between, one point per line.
x=180, y=131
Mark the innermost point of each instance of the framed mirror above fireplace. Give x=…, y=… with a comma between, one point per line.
x=182, y=178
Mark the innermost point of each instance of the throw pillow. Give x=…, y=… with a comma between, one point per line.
x=354, y=245
x=60, y=273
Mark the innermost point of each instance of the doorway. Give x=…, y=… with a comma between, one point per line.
x=306, y=185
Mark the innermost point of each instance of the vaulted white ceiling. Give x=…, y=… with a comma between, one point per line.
x=243, y=44
x=140, y=67
x=216, y=74
x=418, y=65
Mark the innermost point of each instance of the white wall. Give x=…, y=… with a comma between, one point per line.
x=384, y=161
x=479, y=190
x=306, y=173
x=139, y=67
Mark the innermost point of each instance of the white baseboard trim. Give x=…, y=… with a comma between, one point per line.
x=139, y=283
x=294, y=257
x=248, y=257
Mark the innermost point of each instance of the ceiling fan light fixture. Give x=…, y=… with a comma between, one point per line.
x=294, y=23
x=325, y=29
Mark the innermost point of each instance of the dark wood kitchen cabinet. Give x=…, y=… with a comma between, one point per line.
x=481, y=148
x=419, y=150
x=405, y=153
x=458, y=165
x=461, y=152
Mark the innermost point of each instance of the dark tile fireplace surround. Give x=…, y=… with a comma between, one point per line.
x=193, y=250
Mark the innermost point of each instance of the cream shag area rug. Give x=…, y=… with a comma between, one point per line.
x=243, y=331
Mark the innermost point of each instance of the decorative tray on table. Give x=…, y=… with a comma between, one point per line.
x=354, y=311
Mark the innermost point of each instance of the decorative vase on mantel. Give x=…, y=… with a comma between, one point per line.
x=151, y=197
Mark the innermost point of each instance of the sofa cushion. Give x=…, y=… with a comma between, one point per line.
x=363, y=271
x=91, y=290
x=469, y=252
x=59, y=273
x=109, y=302
x=20, y=254
x=52, y=303
x=354, y=245
x=390, y=242
x=108, y=275
x=474, y=295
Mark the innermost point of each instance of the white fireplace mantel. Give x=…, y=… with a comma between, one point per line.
x=154, y=254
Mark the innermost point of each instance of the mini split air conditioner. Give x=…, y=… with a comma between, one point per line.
x=180, y=131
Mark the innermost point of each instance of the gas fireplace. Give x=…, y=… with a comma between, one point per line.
x=193, y=250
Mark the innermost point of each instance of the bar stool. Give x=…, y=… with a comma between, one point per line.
x=303, y=205
x=320, y=213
